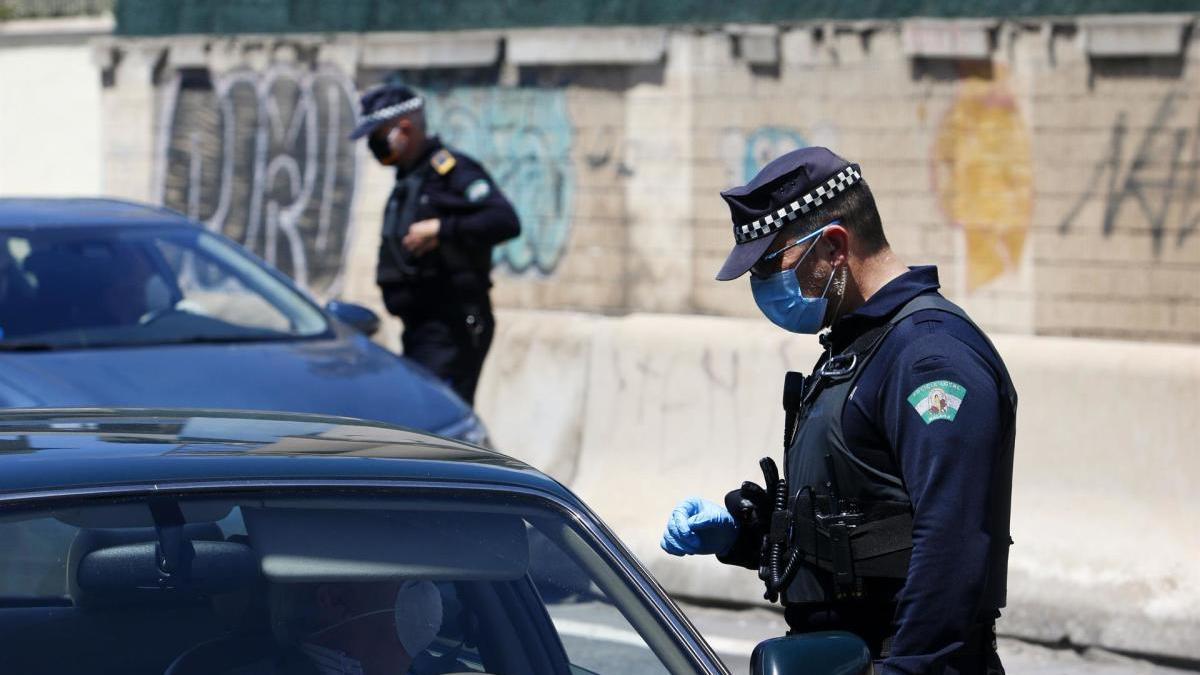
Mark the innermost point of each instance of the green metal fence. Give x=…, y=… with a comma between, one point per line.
x=164, y=17
x=46, y=9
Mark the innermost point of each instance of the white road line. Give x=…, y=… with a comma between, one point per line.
x=595, y=631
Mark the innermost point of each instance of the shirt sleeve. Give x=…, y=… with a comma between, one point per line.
x=942, y=413
x=481, y=215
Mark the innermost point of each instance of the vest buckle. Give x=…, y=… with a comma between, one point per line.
x=837, y=367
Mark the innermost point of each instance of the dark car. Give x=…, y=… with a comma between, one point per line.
x=179, y=542
x=111, y=303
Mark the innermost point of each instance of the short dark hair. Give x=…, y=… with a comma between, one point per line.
x=855, y=208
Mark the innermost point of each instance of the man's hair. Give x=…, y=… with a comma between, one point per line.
x=856, y=210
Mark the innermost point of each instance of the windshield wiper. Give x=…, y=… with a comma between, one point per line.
x=214, y=339
x=31, y=346
x=25, y=346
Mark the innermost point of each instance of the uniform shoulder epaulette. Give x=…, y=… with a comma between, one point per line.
x=442, y=161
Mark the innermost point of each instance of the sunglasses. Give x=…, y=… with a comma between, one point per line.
x=768, y=264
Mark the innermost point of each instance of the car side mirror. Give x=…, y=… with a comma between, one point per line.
x=356, y=316
x=827, y=653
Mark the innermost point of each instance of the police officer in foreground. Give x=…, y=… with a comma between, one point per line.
x=891, y=518
x=435, y=257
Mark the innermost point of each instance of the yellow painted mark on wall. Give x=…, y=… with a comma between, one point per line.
x=982, y=173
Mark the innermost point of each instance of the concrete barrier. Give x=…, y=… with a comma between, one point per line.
x=636, y=412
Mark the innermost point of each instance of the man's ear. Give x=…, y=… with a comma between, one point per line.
x=837, y=238
x=408, y=126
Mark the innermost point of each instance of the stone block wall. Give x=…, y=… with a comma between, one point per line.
x=1050, y=168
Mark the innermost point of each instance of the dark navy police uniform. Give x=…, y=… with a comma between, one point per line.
x=915, y=429
x=441, y=296
x=891, y=518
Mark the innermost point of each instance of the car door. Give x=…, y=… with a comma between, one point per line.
x=216, y=579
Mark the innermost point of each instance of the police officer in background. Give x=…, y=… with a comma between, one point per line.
x=443, y=217
x=891, y=520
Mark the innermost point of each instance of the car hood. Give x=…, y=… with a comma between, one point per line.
x=346, y=376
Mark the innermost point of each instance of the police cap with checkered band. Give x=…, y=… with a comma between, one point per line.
x=784, y=190
x=383, y=103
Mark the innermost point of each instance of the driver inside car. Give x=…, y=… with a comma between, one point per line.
x=134, y=291
x=351, y=628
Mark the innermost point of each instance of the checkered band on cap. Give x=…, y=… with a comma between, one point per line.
x=394, y=110
x=773, y=222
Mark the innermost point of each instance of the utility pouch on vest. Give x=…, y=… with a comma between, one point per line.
x=838, y=538
x=836, y=527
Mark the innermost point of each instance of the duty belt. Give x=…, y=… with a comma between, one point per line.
x=844, y=540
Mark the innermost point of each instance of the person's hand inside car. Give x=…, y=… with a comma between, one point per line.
x=699, y=527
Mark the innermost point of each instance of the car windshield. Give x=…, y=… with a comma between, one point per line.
x=82, y=287
x=420, y=581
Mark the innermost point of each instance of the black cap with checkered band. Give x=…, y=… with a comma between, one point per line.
x=384, y=103
x=783, y=190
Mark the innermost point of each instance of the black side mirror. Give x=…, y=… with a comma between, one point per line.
x=829, y=653
x=356, y=316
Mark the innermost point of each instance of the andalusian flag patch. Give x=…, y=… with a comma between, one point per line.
x=937, y=400
x=478, y=189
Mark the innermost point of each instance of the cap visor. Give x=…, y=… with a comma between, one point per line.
x=364, y=129
x=743, y=257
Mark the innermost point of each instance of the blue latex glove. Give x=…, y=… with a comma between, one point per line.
x=698, y=527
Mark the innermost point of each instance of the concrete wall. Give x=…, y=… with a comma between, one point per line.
x=50, y=127
x=635, y=413
x=1049, y=167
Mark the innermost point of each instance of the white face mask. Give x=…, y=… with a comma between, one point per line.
x=416, y=615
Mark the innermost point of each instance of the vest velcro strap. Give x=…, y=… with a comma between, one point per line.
x=880, y=537
x=879, y=548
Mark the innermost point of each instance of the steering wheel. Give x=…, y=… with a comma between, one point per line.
x=154, y=315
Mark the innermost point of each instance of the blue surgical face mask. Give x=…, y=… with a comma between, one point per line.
x=780, y=299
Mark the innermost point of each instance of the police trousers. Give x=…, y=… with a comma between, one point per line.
x=873, y=623
x=452, y=341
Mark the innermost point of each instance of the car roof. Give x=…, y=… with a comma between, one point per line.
x=80, y=211
x=60, y=450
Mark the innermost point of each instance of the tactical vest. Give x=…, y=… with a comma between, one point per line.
x=408, y=203
x=849, y=520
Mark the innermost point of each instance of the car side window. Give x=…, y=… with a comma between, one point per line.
x=35, y=562
x=595, y=634
x=270, y=580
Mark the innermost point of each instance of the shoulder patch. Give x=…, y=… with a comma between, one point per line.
x=937, y=400
x=478, y=190
x=442, y=161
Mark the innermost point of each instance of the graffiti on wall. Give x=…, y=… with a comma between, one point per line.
x=525, y=139
x=1149, y=174
x=983, y=177
x=262, y=157
x=744, y=153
